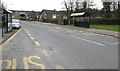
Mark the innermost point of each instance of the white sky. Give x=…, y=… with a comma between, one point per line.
x=38, y=5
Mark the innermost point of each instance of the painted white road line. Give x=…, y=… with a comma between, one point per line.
x=88, y=40
x=54, y=30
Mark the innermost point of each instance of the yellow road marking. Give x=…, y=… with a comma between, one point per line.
x=37, y=43
x=116, y=43
x=0, y=64
x=32, y=38
x=40, y=65
x=9, y=63
x=9, y=39
x=58, y=27
x=69, y=31
x=25, y=63
x=14, y=64
x=59, y=67
x=29, y=34
x=89, y=34
x=26, y=32
x=45, y=53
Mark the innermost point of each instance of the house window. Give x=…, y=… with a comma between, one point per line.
x=54, y=16
x=45, y=14
x=45, y=18
x=64, y=17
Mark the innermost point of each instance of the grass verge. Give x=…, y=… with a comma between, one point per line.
x=106, y=27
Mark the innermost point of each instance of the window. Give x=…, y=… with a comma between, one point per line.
x=54, y=16
x=45, y=14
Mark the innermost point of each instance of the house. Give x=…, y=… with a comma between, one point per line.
x=52, y=16
x=26, y=15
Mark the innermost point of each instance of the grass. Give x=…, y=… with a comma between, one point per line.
x=39, y=21
x=106, y=27
x=103, y=27
x=35, y=21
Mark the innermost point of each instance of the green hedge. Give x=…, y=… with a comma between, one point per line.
x=51, y=21
x=105, y=21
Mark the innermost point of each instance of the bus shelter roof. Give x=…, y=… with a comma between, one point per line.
x=82, y=14
x=7, y=11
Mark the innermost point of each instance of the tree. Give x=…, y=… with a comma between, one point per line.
x=85, y=4
x=1, y=5
x=69, y=5
x=106, y=9
x=118, y=10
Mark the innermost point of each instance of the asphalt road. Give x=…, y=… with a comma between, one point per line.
x=47, y=46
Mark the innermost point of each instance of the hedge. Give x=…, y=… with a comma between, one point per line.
x=51, y=21
x=105, y=21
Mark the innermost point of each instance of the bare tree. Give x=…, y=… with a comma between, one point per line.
x=85, y=4
x=78, y=5
x=106, y=9
x=1, y=5
x=69, y=5
x=119, y=9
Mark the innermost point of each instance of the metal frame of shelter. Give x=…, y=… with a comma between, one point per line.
x=6, y=21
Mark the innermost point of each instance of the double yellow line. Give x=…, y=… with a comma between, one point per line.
x=10, y=38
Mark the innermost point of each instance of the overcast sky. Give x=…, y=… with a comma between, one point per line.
x=38, y=5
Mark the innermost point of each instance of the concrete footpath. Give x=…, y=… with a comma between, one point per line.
x=97, y=31
x=6, y=35
x=0, y=35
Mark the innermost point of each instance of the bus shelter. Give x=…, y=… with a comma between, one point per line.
x=81, y=19
x=6, y=21
x=1, y=18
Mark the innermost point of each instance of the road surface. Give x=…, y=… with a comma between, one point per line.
x=48, y=46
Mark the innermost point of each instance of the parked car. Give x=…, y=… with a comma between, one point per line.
x=15, y=23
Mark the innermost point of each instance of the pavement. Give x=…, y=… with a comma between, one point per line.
x=98, y=31
x=6, y=35
x=48, y=46
x=0, y=35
